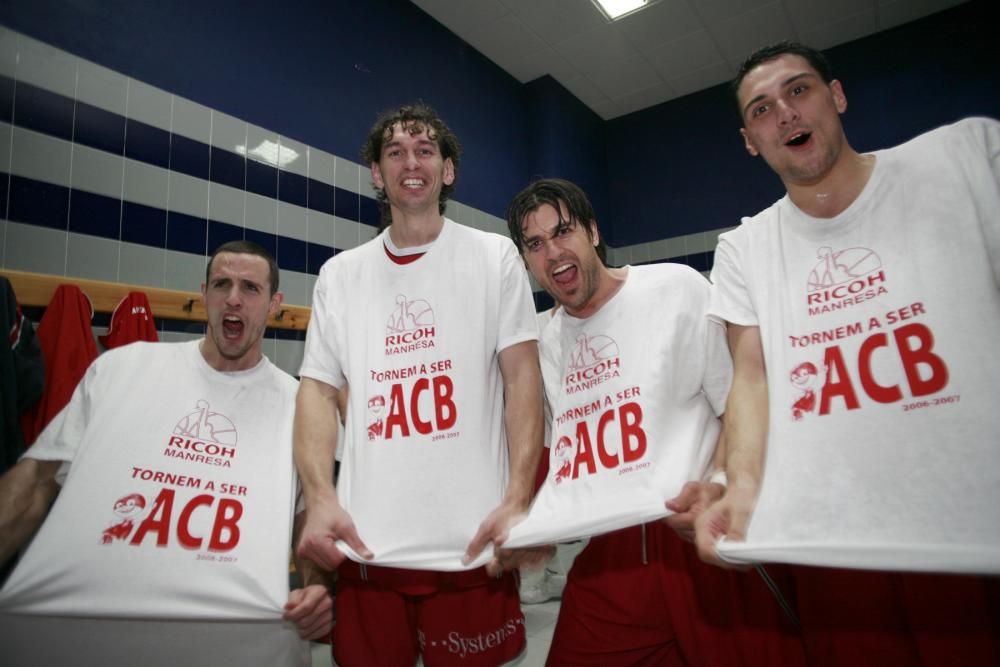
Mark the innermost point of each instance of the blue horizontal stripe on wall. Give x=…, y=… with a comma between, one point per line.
x=146, y=143
x=38, y=203
x=4, y=186
x=51, y=113
x=6, y=99
x=266, y=240
x=292, y=188
x=43, y=111
x=228, y=168
x=321, y=196
x=346, y=205
x=189, y=156
x=57, y=207
x=316, y=256
x=262, y=179
x=371, y=213
x=144, y=225
x=292, y=254
x=94, y=214
x=99, y=129
x=221, y=232
x=186, y=233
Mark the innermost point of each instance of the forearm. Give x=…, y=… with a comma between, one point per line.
x=746, y=420
x=745, y=434
x=315, y=439
x=26, y=492
x=523, y=421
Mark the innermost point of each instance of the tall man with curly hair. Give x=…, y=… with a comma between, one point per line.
x=432, y=326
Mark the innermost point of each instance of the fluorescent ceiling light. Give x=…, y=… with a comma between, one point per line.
x=270, y=152
x=615, y=9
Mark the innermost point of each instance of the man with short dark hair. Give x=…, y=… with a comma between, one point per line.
x=857, y=427
x=635, y=378
x=432, y=325
x=177, y=499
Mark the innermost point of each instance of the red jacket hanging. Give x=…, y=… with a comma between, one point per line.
x=68, y=347
x=131, y=321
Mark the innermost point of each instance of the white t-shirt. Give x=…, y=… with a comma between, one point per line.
x=634, y=391
x=178, y=502
x=426, y=453
x=877, y=327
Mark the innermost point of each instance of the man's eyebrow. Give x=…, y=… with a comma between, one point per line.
x=784, y=83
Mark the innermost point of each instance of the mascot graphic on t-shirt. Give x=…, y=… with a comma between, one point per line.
x=589, y=351
x=207, y=425
x=807, y=382
x=127, y=509
x=409, y=315
x=375, y=406
x=837, y=267
x=562, y=463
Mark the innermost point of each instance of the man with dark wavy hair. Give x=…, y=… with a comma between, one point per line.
x=432, y=326
x=635, y=341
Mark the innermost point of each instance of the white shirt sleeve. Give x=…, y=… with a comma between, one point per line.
x=320, y=360
x=60, y=440
x=730, y=297
x=517, y=308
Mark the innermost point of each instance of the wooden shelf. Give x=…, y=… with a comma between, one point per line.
x=36, y=289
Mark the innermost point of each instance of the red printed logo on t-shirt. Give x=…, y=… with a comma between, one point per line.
x=843, y=278
x=410, y=326
x=592, y=361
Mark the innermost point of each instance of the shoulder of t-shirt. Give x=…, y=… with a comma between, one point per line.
x=287, y=383
x=666, y=275
x=361, y=254
x=960, y=135
x=762, y=222
x=466, y=234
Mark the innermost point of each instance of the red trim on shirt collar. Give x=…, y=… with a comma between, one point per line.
x=402, y=259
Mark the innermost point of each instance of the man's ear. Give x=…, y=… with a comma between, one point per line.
x=748, y=144
x=377, y=176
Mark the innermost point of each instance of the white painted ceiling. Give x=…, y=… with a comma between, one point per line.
x=667, y=50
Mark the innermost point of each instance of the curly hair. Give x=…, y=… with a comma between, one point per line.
x=414, y=118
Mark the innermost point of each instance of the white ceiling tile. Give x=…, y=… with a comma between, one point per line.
x=503, y=36
x=646, y=97
x=679, y=46
x=897, y=12
x=707, y=77
x=558, y=66
x=584, y=90
x=621, y=78
x=811, y=14
x=556, y=20
x=463, y=17
x=844, y=30
x=712, y=11
x=687, y=54
x=525, y=67
x=739, y=36
x=662, y=22
x=606, y=109
x=591, y=49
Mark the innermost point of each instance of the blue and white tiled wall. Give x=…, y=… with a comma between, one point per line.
x=106, y=177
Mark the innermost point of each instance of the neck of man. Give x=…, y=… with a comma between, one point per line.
x=835, y=191
x=210, y=353
x=415, y=229
x=609, y=282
